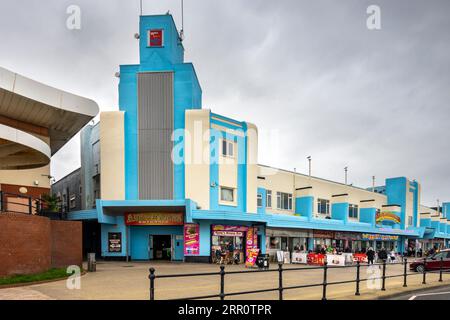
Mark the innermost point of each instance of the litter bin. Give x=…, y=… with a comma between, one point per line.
x=263, y=261
x=92, y=264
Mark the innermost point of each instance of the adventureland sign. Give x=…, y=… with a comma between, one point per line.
x=154, y=219
x=387, y=216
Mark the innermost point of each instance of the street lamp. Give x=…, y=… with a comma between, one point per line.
x=309, y=163
x=346, y=169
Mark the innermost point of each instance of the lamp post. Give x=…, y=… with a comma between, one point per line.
x=373, y=183
x=309, y=165
x=346, y=169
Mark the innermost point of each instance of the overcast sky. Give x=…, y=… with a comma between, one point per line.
x=309, y=73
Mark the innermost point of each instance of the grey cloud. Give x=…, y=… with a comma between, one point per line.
x=376, y=101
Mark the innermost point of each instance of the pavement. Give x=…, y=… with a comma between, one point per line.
x=129, y=280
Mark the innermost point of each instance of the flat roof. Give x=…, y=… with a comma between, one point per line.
x=62, y=113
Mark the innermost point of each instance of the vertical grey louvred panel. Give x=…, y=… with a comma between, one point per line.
x=155, y=126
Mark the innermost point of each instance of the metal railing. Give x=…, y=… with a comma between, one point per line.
x=9, y=202
x=281, y=288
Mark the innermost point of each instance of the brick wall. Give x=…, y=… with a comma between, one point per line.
x=32, y=244
x=66, y=241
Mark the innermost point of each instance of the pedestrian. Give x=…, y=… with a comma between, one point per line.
x=382, y=254
x=370, y=255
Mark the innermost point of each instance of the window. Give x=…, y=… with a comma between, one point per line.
x=410, y=220
x=284, y=201
x=227, y=194
x=227, y=148
x=323, y=206
x=269, y=198
x=72, y=202
x=259, y=200
x=353, y=211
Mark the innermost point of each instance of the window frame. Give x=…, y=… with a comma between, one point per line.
x=284, y=198
x=232, y=193
x=259, y=201
x=353, y=211
x=268, y=198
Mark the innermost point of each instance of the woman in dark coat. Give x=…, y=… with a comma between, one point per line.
x=370, y=255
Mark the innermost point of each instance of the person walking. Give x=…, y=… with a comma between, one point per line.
x=370, y=255
x=382, y=255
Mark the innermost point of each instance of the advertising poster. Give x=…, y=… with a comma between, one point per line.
x=299, y=257
x=361, y=257
x=154, y=219
x=251, y=257
x=114, y=242
x=335, y=260
x=316, y=259
x=191, y=239
x=251, y=240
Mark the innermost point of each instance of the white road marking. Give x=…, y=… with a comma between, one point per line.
x=428, y=294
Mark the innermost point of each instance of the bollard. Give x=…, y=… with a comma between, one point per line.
x=424, y=271
x=152, y=283
x=440, y=269
x=358, y=266
x=280, y=281
x=405, y=261
x=383, y=287
x=324, y=293
x=222, y=282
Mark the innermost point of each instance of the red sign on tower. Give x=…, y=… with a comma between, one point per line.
x=155, y=38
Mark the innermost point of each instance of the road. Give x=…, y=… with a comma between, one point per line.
x=441, y=293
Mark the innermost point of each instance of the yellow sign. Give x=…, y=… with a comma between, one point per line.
x=387, y=216
x=154, y=219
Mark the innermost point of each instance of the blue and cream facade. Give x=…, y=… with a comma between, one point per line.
x=162, y=154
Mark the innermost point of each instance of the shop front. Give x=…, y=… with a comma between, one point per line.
x=232, y=244
x=323, y=238
x=286, y=241
x=379, y=241
x=350, y=242
x=155, y=235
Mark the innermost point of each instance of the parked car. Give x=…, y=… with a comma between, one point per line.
x=433, y=262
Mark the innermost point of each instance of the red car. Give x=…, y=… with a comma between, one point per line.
x=433, y=262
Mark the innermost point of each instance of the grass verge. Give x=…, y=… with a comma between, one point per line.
x=25, y=278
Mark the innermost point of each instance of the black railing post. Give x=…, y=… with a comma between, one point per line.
x=424, y=271
x=405, y=261
x=222, y=282
x=1, y=201
x=280, y=281
x=383, y=286
x=358, y=266
x=30, y=206
x=440, y=269
x=152, y=283
x=324, y=292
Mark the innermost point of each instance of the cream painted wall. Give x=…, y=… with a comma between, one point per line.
x=252, y=167
x=112, y=155
x=197, y=157
x=228, y=172
x=284, y=181
x=27, y=177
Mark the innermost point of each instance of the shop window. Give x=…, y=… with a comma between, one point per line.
x=284, y=201
x=269, y=198
x=227, y=194
x=227, y=148
x=72, y=202
x=259, y=200
x=274, y=243
x=323, y=206
x=353, y=211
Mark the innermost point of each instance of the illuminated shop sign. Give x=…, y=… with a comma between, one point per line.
x=379, y=237
x=154, y=219
x=387, y=216
x=155, y=38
